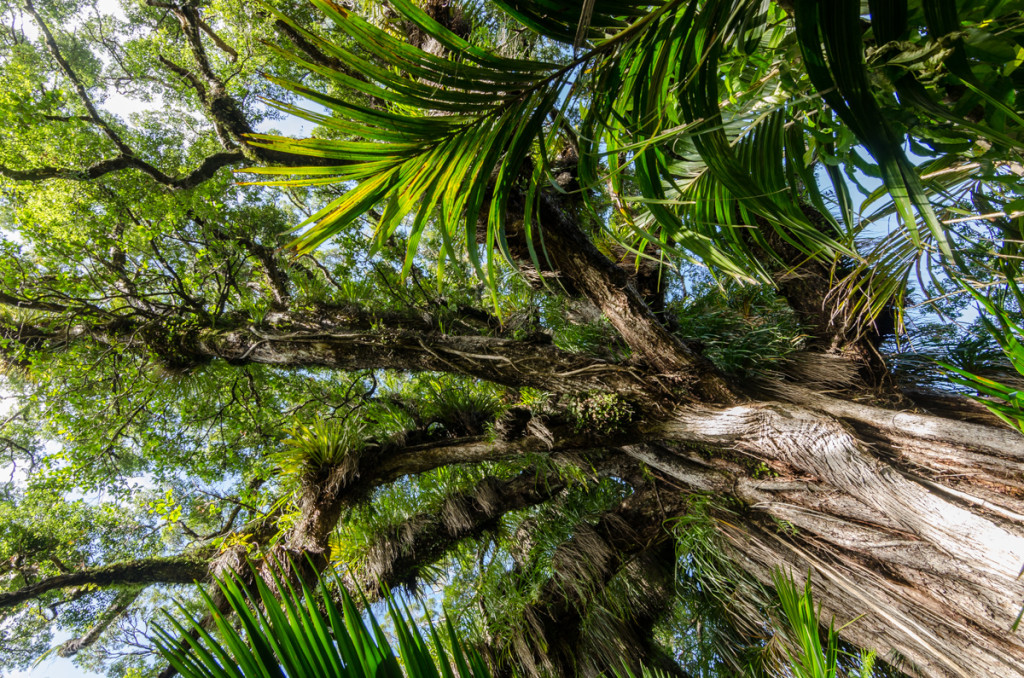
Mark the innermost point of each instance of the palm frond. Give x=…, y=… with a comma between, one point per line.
x=449, y=140
x=571, y=22
x=710, y=174
x=301, y=632
x=1005, y=400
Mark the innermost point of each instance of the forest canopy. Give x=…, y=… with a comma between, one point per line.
x=583, y=321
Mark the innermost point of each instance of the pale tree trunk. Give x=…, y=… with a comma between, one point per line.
x=907, y=566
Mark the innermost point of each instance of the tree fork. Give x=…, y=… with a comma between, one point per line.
x=610, y=288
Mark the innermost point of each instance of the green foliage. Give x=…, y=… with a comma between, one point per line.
x=709, y=131
x=457, y=406
x=600, y=413
x=1002, y=397
x=810, y=657
x=299, y=633
x=743, y=331
x=325, y=444
x=711, y=588
x=746, y=629
x=43, y=534
x=418, y=165
x=693, y=122
x=411, y=162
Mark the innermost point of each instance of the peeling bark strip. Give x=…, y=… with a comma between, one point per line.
x=423, y=539
x=991, y=440
x=812, y=443
x=549, y=642
x=897, y=618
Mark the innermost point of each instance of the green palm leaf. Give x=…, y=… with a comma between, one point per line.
x=447, y=127
x=707, y=146
x=569, y=21
x=309, y=633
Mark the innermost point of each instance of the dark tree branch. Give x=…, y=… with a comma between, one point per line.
x=185, y=74
x=222, y=108
x=349, y=338
x=316, y=55
x=183, y=569
x=320, y=57
x=583, y=566
x=20, y=302
x=218, y=41
x=195, y=303
x=612, y=291
x=204, y=172
x=269, y=261
x=418, y=459
x=69, y=118
x=398, y=556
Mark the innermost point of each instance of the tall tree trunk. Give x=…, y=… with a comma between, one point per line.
x=908, y=566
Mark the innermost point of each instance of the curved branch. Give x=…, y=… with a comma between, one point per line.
x=585, y=564
x=398, y=556
x=127, y=158
x=609, y=288
x=65, y=67
x=473, y=450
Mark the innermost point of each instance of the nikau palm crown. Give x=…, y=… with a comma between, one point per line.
x=570, y=311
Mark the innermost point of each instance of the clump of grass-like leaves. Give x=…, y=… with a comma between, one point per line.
x=811, y=653
x=326, y=444
x=1002, y=395
x=742, y=332
x=309, y=633
x=278, y=629
x=459, y=407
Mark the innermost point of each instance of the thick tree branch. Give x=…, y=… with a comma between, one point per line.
x=183, y=569
x=349, y=338
x=809, y=286
x=610, y=288
x=217, y=40
x=418, y=459
x=904, y=530
x=583, y=566
x=994, y=440
x=398, y=556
